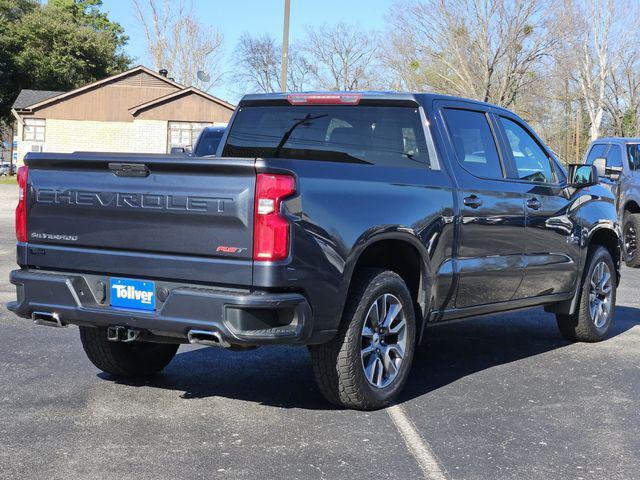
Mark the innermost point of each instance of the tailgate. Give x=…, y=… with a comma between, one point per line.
x=159, y=205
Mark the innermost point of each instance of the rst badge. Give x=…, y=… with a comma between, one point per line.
x=225, y=249
x=134, y=294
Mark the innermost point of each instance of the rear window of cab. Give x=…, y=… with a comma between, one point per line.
x=375, y=135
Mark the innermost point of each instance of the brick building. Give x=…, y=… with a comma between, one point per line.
x=137, y=111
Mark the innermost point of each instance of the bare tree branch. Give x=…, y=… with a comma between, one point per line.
x=177, y=41
x=344, y=57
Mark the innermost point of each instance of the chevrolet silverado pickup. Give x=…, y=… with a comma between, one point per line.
x=345, y=222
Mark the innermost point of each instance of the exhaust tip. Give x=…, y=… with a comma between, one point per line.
x=211, y=338
x=47, y=319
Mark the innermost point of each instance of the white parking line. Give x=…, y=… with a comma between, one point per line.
x=417, y=445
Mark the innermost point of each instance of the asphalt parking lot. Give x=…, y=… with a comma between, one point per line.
x=499, y=397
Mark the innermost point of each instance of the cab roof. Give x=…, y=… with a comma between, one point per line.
x=617, y=140
x=385, y=96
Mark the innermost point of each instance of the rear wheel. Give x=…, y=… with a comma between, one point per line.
x=366, y=364
x=630, y=231
x=594, y=314
x=127, y=359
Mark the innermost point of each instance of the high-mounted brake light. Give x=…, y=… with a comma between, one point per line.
x=324, y=98
x=21, y=209
x=270, y=227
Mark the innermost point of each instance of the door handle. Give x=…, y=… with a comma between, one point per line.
x=534, y=203
x=472, y=201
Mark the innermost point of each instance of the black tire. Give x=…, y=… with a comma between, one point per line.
x=581, y=326
x=338, y=365
x=130, y=359
x=630, y=232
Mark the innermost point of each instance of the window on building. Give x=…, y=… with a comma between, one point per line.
x=33, y=130
x=184, y=134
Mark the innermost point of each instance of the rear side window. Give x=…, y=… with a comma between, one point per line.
x=473, y=141
x=597, y=151
x=633, y=152
x=531, y=161
x=375, y=135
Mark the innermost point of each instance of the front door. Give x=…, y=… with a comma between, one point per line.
x=490, y=256
x=552, y=239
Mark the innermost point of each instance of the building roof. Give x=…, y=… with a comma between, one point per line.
x=180, y=93
x=26, y=98
x=63, y=95
x=145, y=91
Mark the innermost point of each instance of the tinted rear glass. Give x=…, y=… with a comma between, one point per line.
x=392, y=136
x=208, y=143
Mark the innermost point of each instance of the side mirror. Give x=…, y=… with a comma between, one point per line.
x=613, y=173
x=581, y=176
x=178, y=150
x=601, y=165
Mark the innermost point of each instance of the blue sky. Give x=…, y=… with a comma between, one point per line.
x=234, y=17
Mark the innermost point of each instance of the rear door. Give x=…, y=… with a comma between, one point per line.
x=490, y=256
x=552, y=240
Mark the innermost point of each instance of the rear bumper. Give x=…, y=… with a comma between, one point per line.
x=241, y=317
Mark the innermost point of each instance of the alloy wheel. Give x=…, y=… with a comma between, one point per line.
x=384, y=340
x=600, y=292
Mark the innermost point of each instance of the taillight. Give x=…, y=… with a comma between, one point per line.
x=324, y=98
x=270, y=227
x=21, y=209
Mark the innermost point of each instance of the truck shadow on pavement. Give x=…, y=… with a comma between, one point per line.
x=282, y=376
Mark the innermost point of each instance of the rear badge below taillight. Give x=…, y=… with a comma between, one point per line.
x=225, y=249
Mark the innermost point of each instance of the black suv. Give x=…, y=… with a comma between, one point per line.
x=347, y=222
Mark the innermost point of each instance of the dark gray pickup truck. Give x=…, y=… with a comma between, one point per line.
x=347, y=222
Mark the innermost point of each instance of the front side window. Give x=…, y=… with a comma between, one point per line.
x=531, y=161
x=184, y=134
x=474, y=143
x=597, y=151
x=34, y=129
x=375, y=135
x=633, y=153
x=614, y=156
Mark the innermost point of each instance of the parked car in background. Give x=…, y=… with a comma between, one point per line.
x=347, y=222
x=206, y=145
x=208, y=141
x=7, y=168
x=618, y=164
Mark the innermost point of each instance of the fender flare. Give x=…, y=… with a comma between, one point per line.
x=570, y=306
x=366, y=240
